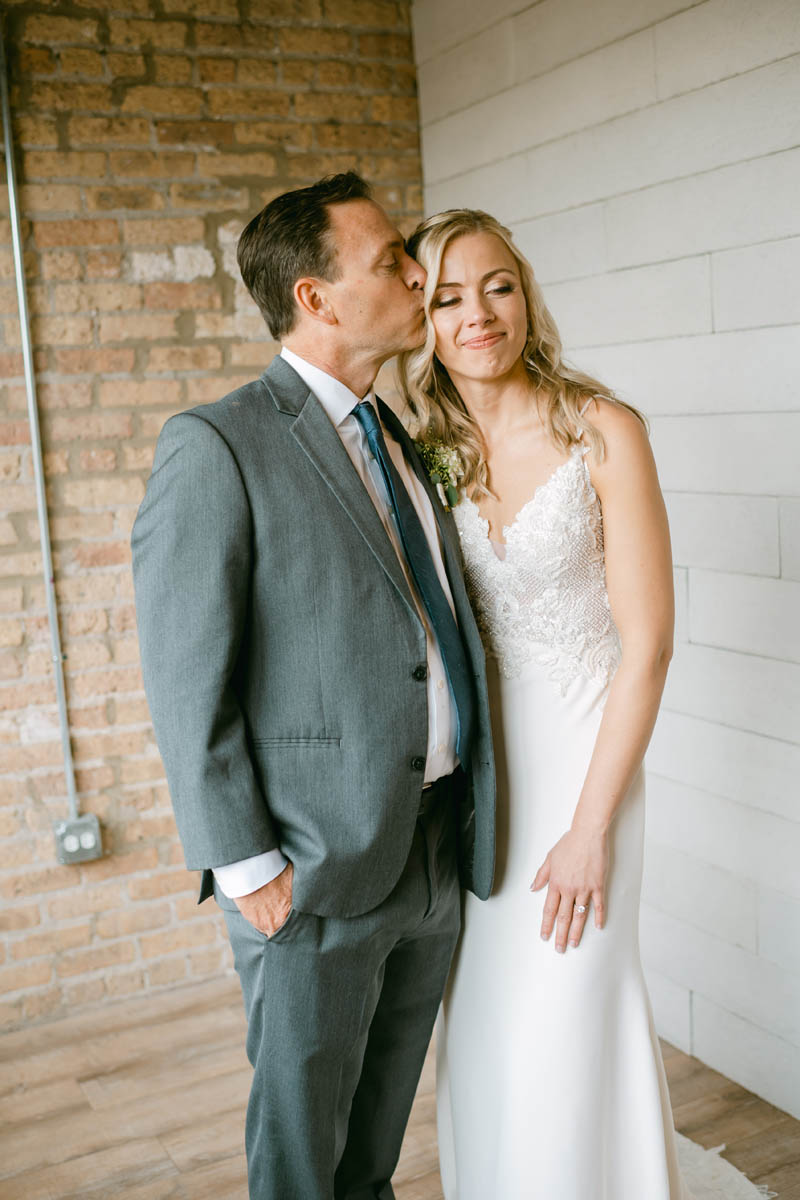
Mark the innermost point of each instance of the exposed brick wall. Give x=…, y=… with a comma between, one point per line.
x=146, y=133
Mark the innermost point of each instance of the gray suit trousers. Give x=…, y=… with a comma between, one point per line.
x=340, y=1012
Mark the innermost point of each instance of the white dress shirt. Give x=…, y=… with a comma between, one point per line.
x=240, y=878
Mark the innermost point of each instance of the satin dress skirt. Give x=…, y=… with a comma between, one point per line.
x=551, y=1084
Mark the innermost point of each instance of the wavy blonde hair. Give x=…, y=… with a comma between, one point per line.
x=562, y=391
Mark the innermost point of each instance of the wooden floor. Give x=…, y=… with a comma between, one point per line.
x=145, y=1100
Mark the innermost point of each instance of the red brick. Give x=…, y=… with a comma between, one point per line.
x=98, y=460
x=164, y=101
x=311, y=42
x=36, y=60
x=75, y=233
x=165, y=883
x=385, y=45
x=194, y=133
x=204, y=8
x=65, y=427
x=106, y=360
x=333, y=107
x=64, y=164
x=33, y=129
x=258, y=165
x=84, y=961
x=149, y=164
x=102, y=297
x=208, y=197
x=14, y=979
x=107, y=131
x=124, y=393
x=174, y=296
x=334, y=74
x=196, y=933
x=161, y=35
x=102, y=493
x=31, y=883
x=168, y=970
x=147, y=325
x=268, y=133
x=109, y=199
x=81, y=62
x=52, y=30
x=217, y=70
x=51, y=942
x=55, y=97
x=248, y=102
x=103, y=554
x=51, y=198
x=184, y=358
x=80, y=525
x=19, y=918
x=60, y=264
x=103, y=264
x=126, y=66
x=163, y=232
x=86, y=900
x=172, y=68
x=15, y=433
x=394, y=108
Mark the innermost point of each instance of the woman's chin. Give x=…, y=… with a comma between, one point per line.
x=486, y=367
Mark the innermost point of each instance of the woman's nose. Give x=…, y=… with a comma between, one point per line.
x=478, y=311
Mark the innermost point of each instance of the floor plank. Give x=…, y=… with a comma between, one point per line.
x=115, y=1103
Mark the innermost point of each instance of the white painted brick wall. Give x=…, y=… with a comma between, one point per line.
x=647, y=158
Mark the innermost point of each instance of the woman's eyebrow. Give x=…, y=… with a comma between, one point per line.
x=488, y=275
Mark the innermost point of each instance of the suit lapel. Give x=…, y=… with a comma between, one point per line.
x=317, y=437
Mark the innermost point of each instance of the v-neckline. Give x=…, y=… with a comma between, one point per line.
x=509, y=529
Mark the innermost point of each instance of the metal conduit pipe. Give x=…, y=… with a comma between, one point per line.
x=78, y=838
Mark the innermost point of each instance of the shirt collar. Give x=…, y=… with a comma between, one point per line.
x=337, y=399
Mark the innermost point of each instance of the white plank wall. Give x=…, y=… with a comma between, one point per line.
x=647, y=155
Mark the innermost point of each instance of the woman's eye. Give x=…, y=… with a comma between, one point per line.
x=502, y=290
x=447, y=302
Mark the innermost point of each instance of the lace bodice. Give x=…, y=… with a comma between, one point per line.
x=546, y=599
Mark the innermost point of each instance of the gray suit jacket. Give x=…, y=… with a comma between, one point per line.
x=279, y=641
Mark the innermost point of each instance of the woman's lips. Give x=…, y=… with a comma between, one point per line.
x=480, y=343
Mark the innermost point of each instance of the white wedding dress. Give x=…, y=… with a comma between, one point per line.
x=550, y=1084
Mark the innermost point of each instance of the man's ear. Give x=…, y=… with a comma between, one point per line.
x=311, y=297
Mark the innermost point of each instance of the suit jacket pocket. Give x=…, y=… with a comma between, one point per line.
x=309, y=742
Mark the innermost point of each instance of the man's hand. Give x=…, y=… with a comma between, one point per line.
x=268, y=907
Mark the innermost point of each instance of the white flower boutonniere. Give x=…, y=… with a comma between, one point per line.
x=445, y=470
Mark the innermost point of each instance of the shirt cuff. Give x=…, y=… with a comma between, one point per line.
x=240, y=878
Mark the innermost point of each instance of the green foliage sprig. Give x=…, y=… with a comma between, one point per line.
x=444, y=469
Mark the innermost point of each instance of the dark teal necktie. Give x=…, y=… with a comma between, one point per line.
x=420, y=560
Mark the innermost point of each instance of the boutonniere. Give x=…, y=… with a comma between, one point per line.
x=444, y=469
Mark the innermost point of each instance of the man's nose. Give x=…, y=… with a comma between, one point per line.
x=416, y=275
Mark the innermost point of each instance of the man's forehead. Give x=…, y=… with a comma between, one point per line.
x=363, y=221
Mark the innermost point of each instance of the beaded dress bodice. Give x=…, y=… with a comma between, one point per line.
x=546, y=599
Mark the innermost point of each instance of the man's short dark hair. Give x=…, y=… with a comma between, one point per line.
x=289, y=239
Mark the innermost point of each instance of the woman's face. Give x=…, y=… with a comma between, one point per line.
x=478, y=309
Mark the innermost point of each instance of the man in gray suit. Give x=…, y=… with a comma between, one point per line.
x=317, y=687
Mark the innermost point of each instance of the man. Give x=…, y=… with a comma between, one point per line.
x=317, y=687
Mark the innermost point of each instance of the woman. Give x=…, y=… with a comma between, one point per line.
x=551, y=1083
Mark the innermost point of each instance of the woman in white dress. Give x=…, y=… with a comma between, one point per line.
x=551, y=1084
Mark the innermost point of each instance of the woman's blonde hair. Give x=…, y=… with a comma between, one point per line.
x=430, y=393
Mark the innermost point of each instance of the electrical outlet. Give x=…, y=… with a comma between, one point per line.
x=78, y=839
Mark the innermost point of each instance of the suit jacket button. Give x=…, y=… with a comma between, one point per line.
x=418, y=763
x=420, y=672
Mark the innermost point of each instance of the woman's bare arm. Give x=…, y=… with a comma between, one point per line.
x=639, y=583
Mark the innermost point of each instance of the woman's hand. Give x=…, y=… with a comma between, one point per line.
x=575, y=870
